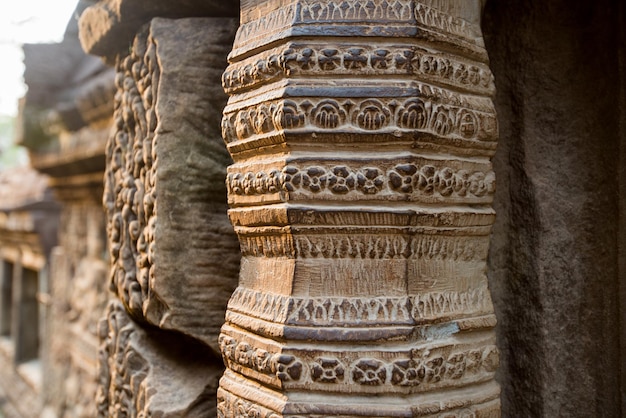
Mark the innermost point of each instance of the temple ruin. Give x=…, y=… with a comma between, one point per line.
x=320, y=208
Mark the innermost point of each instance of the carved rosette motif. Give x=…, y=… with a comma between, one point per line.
x=361, y=194
x=415, y=368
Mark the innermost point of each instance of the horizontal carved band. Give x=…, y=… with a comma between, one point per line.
x=282, y=367
x=419, y=370
x=415, y=219
x=402, y=181
x=315, y=60
x=359, y=312
x=486, y=405
x=364, y=246
x=364, y=116
x=395, y=18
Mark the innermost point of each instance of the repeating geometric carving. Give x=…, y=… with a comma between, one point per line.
x=439, y=20
x=337, y=311
x=327, y=370
x=409, y=13
x=403, y=179
x=404, y=244
x=434, y=368
x=355, y=10
x=308, y=59
x=369, y=372
x=446, y=115
x=437, y=366
x=229, y=406
x=432, y=305
x=284, y=367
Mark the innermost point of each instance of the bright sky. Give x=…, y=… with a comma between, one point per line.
x=26, y=21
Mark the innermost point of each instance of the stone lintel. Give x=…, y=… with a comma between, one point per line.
x=108, y=27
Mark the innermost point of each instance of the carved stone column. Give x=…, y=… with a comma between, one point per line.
x=361, y=191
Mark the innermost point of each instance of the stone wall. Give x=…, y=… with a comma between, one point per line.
x=28, y=226
x=78, y=296
x=174, y=256
x=554, y=261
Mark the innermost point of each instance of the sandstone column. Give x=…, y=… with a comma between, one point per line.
x=6, y=297
x=25, y=313
x=361, y=191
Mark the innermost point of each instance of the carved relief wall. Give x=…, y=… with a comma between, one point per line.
x=361, y=192
x=173, y=254
x=163, y=269
x=78, y=298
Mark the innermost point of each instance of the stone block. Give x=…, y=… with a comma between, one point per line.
x=152, y=373
x=554, y=263
x=108, y=26
x=174, y=255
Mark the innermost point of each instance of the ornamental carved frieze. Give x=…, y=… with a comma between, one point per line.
x=449, y=22
x=415, y=369
x=174, y=255
x=361, y=188
x=446, y=119
x=359, y=312
x=398, y=182
x=309, y=59
x=457, y=404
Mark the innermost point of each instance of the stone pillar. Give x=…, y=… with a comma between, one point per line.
x=556, y=262
x=25, y=317
x=361, y=191
x=6, y=286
